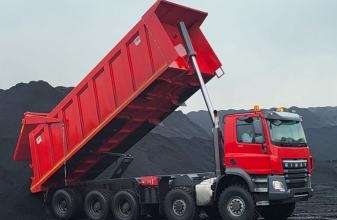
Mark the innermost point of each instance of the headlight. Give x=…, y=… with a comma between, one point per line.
x=278, y=186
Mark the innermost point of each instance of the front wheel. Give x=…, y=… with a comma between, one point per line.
x=278, y=212
x=236, y=203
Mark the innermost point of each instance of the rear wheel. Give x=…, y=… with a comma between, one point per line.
x=236, y=203
x=125, y=205
x=80, y=203
x=278, y=212
x=64, y=204
x=179, y=205
x=97, y=205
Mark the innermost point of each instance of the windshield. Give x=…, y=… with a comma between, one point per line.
x=286, y=133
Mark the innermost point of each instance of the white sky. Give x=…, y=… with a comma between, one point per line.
x=274, y=53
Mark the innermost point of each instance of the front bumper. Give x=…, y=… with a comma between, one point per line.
x=289, y=195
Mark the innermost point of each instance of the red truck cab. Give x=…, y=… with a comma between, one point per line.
x=269, y=150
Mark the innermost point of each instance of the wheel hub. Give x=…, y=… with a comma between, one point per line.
x=97, y=207
x=236, y=206
x=125, y=208
x=179, y=207
x=62, y=205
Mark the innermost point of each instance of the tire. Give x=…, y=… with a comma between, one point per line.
x=278, y=212
x=213, y=212
x=125, y=205
x=97, y=205
x=236, y=203
x=80, y=203
x=179, y=205
x=64, y=205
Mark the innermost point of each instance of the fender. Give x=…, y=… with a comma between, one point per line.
x=235, y=171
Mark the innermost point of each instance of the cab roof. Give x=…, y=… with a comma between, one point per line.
x=270, y=115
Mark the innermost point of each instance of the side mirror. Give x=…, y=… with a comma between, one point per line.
x=259, y=140
x=258, y=128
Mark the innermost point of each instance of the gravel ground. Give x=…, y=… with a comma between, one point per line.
x=322, y=206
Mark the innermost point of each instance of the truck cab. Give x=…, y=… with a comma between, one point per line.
x=266, y=153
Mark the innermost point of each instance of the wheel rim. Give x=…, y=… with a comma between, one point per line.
x=62, y=204
x=179, y=207
x=124, y=208
x=96, y=207
x=236, y=206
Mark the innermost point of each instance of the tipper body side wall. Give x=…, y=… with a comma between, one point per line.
x=136, y=86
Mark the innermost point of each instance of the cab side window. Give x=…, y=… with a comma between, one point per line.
x=245, y=130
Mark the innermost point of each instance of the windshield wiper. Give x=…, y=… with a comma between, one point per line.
x=287, y=143
x=302, y=144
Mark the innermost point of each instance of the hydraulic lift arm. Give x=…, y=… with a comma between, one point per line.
x=213, y=114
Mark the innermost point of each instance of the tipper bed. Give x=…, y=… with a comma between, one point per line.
x=141, y=81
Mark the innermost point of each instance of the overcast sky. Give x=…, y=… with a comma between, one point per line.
x=274, y=52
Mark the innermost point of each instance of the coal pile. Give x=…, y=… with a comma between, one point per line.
x=329, y=113
x=15, y=197
x=159, y=155
x=34, y=97
x=323, y=142
x=178, y=145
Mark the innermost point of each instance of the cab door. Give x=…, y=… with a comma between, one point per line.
x=253, y=157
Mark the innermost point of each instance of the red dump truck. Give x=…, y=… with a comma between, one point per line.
x=262, y=162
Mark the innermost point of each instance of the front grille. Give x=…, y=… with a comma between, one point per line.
x=296, y=173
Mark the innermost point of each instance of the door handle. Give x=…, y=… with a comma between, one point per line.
x=264, y=147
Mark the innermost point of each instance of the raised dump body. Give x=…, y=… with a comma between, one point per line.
x=142, y=80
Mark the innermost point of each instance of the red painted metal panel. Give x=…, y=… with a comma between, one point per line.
x=33, y=153
x=73, y=131
x=149, y=181
x=121, y=76
x=136, y=86
x=139, y=59
x=104, y=93
x=56, y=137
x=43, y=151
x=205, y=50
x=23, y=153
x=36, y=174
x=88, y=109
x=157, y=58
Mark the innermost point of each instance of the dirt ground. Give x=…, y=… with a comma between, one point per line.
x=322, y=206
